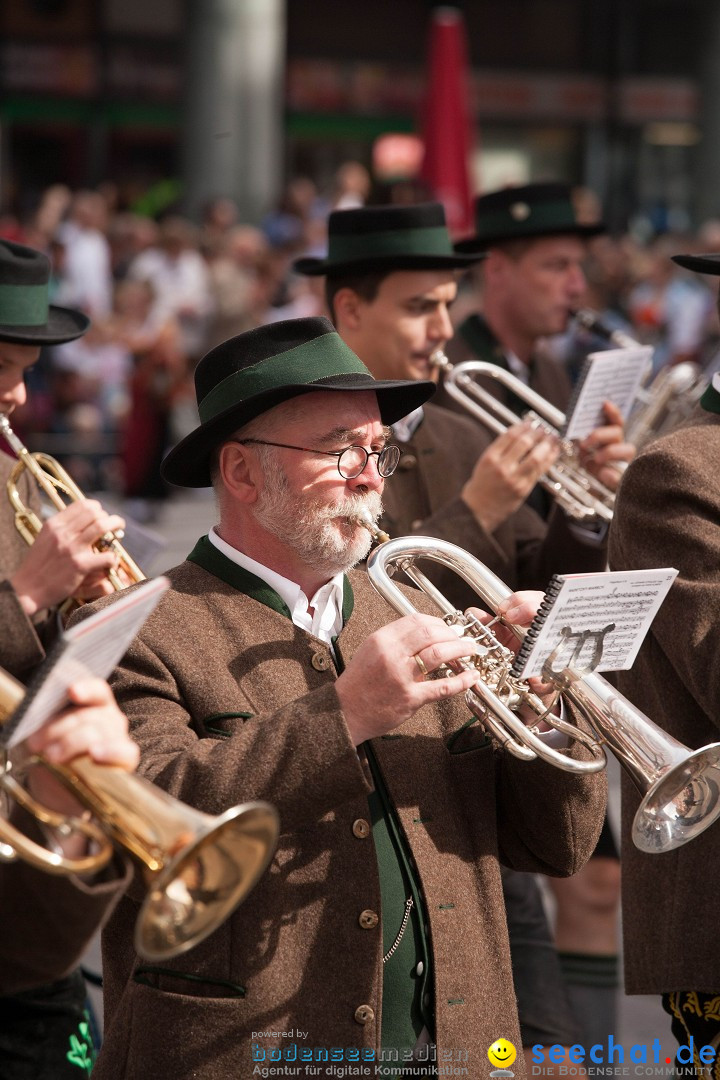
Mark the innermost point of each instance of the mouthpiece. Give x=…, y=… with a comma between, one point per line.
x=365, y=519
x=439, y=360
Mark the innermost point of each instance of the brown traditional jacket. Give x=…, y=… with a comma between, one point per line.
x=230, y=701
x=474, y=340
x=21, y=638
x=668, y=514
x=49, y=920
x=423, y=497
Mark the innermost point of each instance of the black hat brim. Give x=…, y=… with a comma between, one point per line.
x=63, y=324
x=188, y=463
x=482, y=243
x=701, y=264
x=315, y=267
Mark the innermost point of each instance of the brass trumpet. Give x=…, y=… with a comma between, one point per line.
x=59, y=487
x=680, y=787
x=577, y=492
x=197, y=868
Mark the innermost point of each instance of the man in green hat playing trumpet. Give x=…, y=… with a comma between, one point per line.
x=272, y=668
x=38, y=1026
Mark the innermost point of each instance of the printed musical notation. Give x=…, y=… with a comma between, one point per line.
x=593, y=621
x=614, y=375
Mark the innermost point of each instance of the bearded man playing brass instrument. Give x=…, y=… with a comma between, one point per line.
x=391, y=279
x=271, y=667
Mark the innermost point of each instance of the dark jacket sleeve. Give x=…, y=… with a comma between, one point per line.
x=48, y=920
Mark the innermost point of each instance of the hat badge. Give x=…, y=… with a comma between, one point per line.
x=520, y=211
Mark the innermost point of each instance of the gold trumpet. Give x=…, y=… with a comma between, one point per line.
x=680, y=787
x=59, y=487
x=197, y=868
x=580, y=495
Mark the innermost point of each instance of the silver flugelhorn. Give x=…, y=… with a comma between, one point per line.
x=580, y=495
x=680, y=787
x=197, y=868
x=666, y=402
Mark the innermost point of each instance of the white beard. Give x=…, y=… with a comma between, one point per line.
x=318, y=532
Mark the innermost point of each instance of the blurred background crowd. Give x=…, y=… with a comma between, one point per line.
x=173, y=160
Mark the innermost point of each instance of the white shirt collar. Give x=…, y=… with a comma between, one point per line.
x=325, y=622
x=517, y=367
x=403, y=430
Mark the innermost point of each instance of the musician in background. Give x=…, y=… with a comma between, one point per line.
x=33, y=583
x=667, y=514
x=292, y=686
x=390, y=300
x=530, y=283
x=61, y=563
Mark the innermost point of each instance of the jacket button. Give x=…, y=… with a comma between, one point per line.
x=364, y=1014
x=320, y=661
x=416, y=523
x=361, y=828
x=368, y=919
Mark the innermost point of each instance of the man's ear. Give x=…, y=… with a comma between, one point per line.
x=240, y=472
x=348, y=309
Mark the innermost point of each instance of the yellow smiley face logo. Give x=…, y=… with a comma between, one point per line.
x=502, y=1053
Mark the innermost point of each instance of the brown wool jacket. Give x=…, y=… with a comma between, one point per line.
x=21, y=638
x=668, y=514
x=50, y=920
x=229, y=702
x=547, y=377
x=423, y=498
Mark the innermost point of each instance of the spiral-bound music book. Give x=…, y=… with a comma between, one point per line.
x=593, y=621
x=613, y=375
x=92, y=647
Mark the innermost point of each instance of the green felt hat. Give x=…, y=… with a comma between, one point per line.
x=26, y=316
x=517, y=213
x=391, y=237
x=253, y=372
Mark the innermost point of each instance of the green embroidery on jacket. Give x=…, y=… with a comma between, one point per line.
x=82, y=1053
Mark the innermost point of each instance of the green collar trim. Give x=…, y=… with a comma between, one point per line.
x=523, y=219
x=432, y=240
x=710, y=400
x=24, y=305
x=206, y=555
x=324, y=357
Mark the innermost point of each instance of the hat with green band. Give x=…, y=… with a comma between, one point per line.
x=517, y=213
x=253, y=372
x=392, y=237
x=26, y=315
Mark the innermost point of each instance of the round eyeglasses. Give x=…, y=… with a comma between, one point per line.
x=351, y=461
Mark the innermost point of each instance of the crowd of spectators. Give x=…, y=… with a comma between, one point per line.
x=161, y=292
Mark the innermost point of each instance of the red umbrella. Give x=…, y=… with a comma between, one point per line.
x=446, y=119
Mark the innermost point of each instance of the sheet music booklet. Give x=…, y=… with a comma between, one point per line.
x=593, y=621
x=92, y=647
x=612, y=375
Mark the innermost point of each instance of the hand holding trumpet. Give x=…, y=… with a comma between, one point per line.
x=62, y=561
x=390, y=677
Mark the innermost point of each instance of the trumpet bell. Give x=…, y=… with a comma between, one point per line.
x=204, y=883
x=681, y=804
